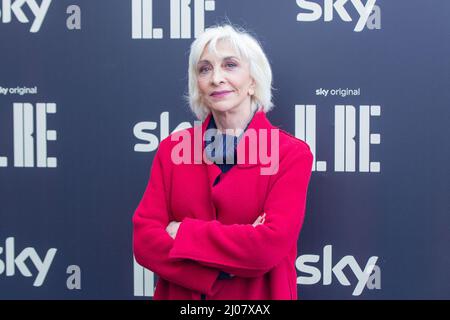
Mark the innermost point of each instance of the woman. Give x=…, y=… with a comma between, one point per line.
x=225, y=225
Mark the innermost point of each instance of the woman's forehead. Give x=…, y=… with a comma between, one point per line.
x=224, y=49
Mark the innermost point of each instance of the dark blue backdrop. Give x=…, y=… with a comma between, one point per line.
x=107, y=85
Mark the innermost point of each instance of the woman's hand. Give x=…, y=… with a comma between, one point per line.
x=172, y=228
x=259, y=220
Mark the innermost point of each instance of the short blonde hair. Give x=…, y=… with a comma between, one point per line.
x=247, y=47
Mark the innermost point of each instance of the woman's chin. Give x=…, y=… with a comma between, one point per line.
x=221, y=107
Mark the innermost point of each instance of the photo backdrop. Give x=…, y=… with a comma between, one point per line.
x=89, y=88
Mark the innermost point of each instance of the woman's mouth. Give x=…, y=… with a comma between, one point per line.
x=220, y=94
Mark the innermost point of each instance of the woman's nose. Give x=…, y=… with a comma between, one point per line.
x=217, y=77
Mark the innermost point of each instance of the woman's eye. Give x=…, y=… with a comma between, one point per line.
x=203, y=69
x=231, y=65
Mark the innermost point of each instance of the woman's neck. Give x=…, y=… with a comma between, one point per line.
x=233, y=122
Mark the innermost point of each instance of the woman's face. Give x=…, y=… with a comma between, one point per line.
x=224, y=81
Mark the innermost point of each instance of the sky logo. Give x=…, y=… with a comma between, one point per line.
x=369, y=276
x=369, y=13
x=14, y=8
x=12, y=261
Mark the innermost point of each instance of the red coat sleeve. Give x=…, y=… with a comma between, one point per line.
x=152, y=243
x=248, y=251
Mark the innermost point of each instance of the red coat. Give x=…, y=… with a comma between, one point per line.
x=216, y=232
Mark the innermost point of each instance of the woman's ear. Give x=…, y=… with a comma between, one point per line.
x=251, y=89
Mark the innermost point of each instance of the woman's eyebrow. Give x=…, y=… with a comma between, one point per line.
x=226, y=58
